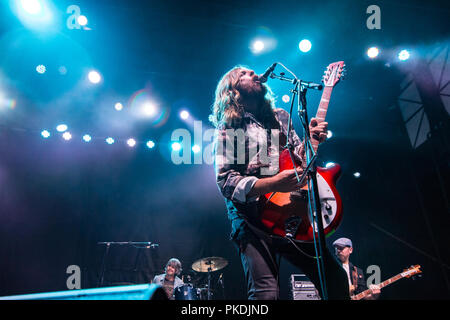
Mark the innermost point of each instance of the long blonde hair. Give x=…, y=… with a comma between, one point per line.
x=227, y=110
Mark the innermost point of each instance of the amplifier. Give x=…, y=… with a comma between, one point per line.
x=302, y=288
x=134, y=292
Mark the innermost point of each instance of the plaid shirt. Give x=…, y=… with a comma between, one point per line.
x=244, y=155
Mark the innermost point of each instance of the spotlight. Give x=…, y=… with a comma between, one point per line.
x=329, y=134
x=35, y=14
x=149, y=109
x=82, y=20
x=329, y=164
x=257, y=46
x=131, y=142
x=94, y=77
x=109, y=140
x=357, y=174
x=67, y=136
x=31, y=6
x=184, y=115
x=304, y=45
x=45, y=134
x=118, y=106
x=403, y=55
x=40, y=69
x=61, y=128
x=87, y=138
x=372, y=52
x=286, y=98
x=150, y=144
x=176, y=146
x=196, y=148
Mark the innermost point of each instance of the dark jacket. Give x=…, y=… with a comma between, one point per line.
x=357, y=278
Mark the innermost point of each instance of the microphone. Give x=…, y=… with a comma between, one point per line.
x=265, y=75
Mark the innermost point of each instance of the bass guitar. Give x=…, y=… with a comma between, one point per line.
x=407, y=273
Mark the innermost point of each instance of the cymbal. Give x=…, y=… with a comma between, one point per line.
x=209, y=264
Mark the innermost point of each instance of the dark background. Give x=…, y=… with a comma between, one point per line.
x=58, y=198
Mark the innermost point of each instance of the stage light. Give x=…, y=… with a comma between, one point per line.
x=94, y=77
x=357, y=174
x=87, y=138
x=403, y=55
x=329, y=164
x=176, y=146
x=372, y=52
x=32, y=7
x=329, y=134
x=286, y=98
x=82, y=20
x=150, y=144
x=257, y=46
x=131, y=142
x=149, y=109
x=35, y=14
x=67, y=136
x=61, y=128
x=196, y=148
x=109, y=140
x=118, y=106
x=45, y=134
x=40, y=69
x=184, y=115
x=304, y=45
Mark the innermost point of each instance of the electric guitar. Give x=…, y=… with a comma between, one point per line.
x=407, y=273
x=281, y=209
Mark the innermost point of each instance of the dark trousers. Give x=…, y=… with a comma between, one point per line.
x=259, y=261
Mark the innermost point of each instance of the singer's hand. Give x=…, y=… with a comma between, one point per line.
x=318, y=131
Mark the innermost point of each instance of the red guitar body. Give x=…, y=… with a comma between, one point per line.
x=278, y=207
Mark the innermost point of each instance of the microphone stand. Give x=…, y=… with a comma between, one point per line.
x=314, y=206
x=108, y=244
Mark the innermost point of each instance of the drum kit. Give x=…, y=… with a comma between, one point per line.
x=192, y=291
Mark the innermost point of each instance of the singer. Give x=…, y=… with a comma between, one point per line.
x=244, y=102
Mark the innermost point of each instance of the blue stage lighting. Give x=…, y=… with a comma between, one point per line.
x=131, y=142
x=150, y=144
x=87, y=138
x=329, y=134
x=373, y=52
x=67, y=136
x=196, y=148
x=40, y=69
x=61, y=128
x=257, y=46
x=94, y=77
x=82, y=20
x=403, y=55
x=329, y=164
x=357, y=174
x=45, y=134
x=176, y=146
x=109, y=140
x=184, y=115
x=305, y=45
x=34, y=14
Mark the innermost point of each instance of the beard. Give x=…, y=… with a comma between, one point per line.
x=254, y=91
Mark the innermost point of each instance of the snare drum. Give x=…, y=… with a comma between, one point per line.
x=185, y=292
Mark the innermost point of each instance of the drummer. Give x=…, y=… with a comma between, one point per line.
x=170, y=280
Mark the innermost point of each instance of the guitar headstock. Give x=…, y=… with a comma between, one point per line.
x=335, y=71
x=412, y=271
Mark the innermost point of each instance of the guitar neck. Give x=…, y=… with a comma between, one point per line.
x=322, y=111
x=383, y=284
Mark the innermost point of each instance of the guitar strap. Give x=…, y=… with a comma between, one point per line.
x=355, y=277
